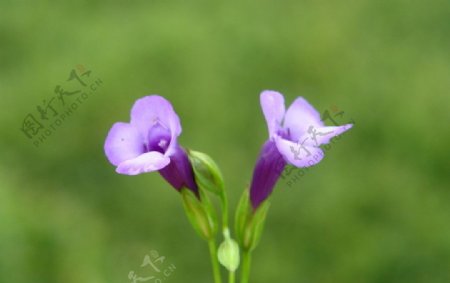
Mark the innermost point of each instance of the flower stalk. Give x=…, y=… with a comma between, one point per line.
x=214, y=261
x=246, y=263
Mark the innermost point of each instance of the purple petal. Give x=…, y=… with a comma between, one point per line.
x=123, y=142
x=299, y=117
x=179, y=172
x=268, y=169
x=297, y=154
x=154, y=109
x=323, y=135
x=147, y=162
x=272, y=104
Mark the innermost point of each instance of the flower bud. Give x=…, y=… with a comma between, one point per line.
x=207, y=173
x=229, y=253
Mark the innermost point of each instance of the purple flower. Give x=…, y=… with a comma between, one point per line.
x=149, y=143
x=294, y=138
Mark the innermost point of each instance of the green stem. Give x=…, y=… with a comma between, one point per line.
x=246, y=261
x=214, y=261
x=225, y=228
x=224, y=202
x=231, y=277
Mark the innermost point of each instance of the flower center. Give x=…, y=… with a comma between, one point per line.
x=285, y=133
x=158, y=138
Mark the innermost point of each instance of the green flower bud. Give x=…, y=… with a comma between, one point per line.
x=229, y=253
x=207, y=173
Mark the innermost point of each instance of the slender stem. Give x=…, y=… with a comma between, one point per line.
x=246, y=261
x=231, y=277
x=225, y=228
x=224, y=202
x=214, y=261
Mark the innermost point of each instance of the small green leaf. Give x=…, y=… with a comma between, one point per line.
x=243, y=213
x=255, y=226
x=207, y=173
x=196, y=214
x=210, y=212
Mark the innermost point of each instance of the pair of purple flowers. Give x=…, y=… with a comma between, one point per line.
x=149, y=142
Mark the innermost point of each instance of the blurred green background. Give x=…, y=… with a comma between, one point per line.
x=376, y=209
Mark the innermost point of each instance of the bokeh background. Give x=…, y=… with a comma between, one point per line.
x=376, y=209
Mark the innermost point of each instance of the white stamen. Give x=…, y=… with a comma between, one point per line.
x=162, y=143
